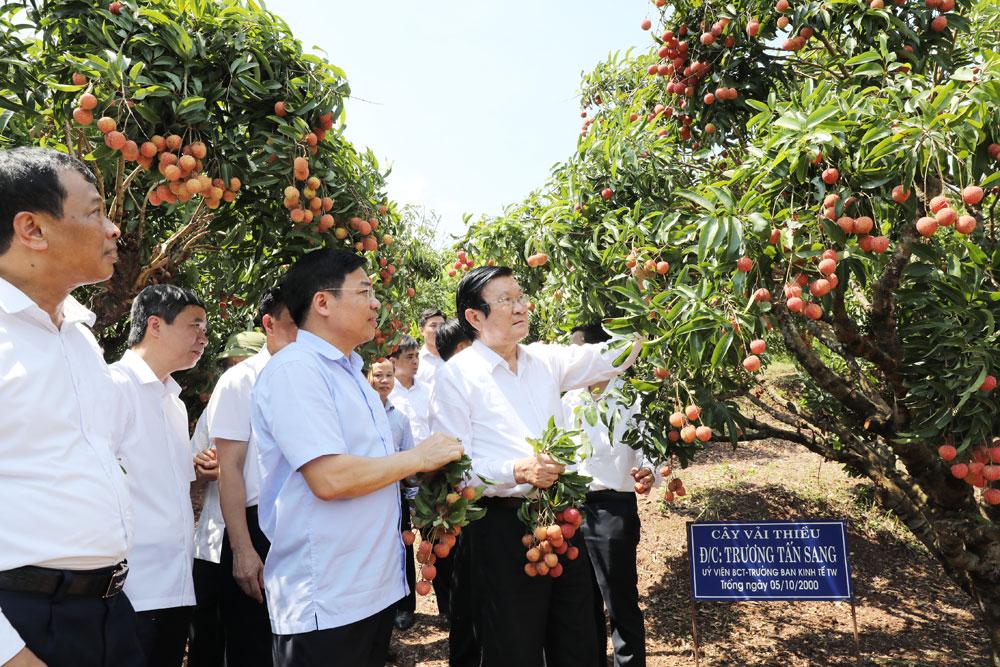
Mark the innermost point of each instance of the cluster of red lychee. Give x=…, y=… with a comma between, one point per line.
x=982, y=469
x=684, y=428
x=546, y=543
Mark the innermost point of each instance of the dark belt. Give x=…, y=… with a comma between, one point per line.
x=507, y=503
x=104, y=583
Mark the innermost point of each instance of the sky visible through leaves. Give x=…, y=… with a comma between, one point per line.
x=469, y=102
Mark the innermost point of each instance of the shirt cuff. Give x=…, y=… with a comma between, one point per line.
x=498, y=474
x=10, y=642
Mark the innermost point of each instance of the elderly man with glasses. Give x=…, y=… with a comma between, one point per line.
x=494, y=396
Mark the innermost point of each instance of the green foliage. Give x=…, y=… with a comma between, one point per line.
x=210, y=72
x=432, y=513
x=570, y=488
x=907, y=336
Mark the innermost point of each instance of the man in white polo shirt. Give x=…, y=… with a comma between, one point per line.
x=430, y=360
x=206, y=639
x=65, y=517
x=244, y=546
x=167, y=335
x=329, y=475
x=493, y=396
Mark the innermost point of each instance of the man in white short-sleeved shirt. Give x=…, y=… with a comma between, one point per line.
x=206, y=639
x=493, y=396
x=329, y=498
x=64, y=506
x=244, y=545
x=168, y=334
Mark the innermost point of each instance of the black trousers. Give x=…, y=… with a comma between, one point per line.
x=75, y=631
x=463, y=649
x=521, y=620
x=443, y=581
x=409, y=603
x=162, y=635
x=206, y=639
x=611, y=531
x=364, y=643
x=245, y=621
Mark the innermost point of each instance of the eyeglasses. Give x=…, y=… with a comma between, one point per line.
x=369, y=291
x=508, y=302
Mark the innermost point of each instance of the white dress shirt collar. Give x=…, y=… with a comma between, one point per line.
x=145, y=374
x=13, y=301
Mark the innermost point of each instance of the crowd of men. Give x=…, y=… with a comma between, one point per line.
x=306, y=465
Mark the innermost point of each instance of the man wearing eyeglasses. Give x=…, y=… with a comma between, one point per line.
x=493, y=396
x=329, y=492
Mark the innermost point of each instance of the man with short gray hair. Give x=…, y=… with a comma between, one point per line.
x=64, y=503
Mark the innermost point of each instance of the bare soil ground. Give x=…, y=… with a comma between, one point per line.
x=908, y=613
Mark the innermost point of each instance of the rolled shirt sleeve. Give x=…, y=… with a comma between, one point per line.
x=10, y=642
x=583, y=365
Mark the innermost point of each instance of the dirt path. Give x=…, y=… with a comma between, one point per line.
x=908, y=612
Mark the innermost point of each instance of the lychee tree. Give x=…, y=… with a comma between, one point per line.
x=217, y=142
x=807, y=180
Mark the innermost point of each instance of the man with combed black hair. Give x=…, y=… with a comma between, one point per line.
x=430, y=361
x=244, y=547
x=167, y=335
x=451, y=339
x=64, y=503
x=611, y=515
x=494, y=396
x=330, y=473
x=409, y=394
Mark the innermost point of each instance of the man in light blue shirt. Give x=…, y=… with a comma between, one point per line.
x=329, y=475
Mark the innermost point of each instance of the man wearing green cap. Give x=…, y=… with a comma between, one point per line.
x=244, y=615
x=241, y=346
x=206, y=640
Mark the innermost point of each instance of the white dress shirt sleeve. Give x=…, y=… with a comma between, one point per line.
x=450, y=414
x=578, y=366
x=302, y=419
x=229, y=409
x=10, y=641
x=124, y=412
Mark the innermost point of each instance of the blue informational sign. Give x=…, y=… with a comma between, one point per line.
x=769, y=560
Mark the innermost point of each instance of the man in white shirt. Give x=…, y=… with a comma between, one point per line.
x=382, y=378
x=329, y=475
x=168, y=334
x=64, y=504
x=430, y=360
x=206, y=639
x=411, y=396
x=409, y=393
x=611, y=514
x=244, y=546
x=450, y=339
x=493, y=396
